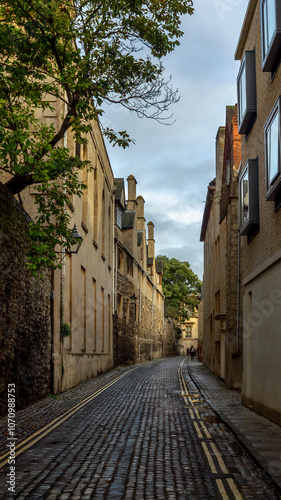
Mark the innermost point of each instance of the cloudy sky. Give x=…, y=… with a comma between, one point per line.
x=174, y=164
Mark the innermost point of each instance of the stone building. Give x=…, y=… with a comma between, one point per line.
x=259, y=114
x=222, y=349
x=82, y=292
x=190, y=334
x=227, y=301
x=114, y=275
x=139, y=302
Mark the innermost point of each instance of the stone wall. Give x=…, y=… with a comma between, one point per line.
x=169, y=337
x=25, y=323
x=136, y=333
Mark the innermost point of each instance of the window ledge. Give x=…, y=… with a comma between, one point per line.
x=83, y=225
x=273, y=189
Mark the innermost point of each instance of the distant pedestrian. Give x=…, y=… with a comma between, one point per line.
x=192, y=352
x=187, y=351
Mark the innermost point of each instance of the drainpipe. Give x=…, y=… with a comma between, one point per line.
x=151, y=323
x=238, y=296
x=52, y=298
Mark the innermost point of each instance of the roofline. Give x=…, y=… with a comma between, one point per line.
x=245, y=29
x=207, y=210
x=121, y=245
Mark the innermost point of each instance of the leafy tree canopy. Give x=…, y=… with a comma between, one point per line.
x=82, y=53
x=181, y=288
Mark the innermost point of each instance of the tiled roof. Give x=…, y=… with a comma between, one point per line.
x=128, y=219
x=159, y=266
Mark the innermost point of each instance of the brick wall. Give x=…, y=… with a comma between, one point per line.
x=25, y=324
x=260, y=257
x=267, y=241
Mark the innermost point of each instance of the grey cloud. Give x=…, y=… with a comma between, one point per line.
x=174, y=164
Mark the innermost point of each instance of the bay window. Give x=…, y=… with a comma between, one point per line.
x=270, y=33
x=249, y=198
x=272, y=152
x=246, y=90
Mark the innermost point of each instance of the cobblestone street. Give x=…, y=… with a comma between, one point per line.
x=145, y=434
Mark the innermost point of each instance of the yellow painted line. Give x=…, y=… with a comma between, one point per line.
x=208, y=435
x=219, y=459
x=209, y=458
x=222, y=489
x=218, y=455
x=200, y=435
x=197, y=414
x=32, y=439
x=234, y=489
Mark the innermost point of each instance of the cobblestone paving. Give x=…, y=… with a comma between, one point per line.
x=41, y=413
x=137, y=441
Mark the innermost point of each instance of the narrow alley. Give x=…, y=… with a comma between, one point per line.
x=143, y=433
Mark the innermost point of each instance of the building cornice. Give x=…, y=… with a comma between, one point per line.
x=245, y=29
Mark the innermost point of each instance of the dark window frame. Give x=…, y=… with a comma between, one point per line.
x=271, y=53
x=251, y=225
x=248, y=65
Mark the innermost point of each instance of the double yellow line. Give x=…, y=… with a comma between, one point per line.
x=203, y=434
x=33, y=438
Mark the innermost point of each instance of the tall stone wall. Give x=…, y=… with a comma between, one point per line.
x=25, y=322
x=136, y=334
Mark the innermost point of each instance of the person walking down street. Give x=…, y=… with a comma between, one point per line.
x=187, y=351
x=192, y=352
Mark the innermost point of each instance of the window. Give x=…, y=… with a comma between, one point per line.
x=188, y=331
x=118, y=217
x=272, y=152
x=245, y=198
x=119, y=305
x=249, y=199
x=270, y=33
x=120, y=259
x=246, y=89
x=130, y=266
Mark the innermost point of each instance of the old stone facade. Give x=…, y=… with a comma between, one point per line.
x=189, y=333
x=222, y=347
x=25, y=320
x=210, y=234
x=259, y=83
x=139, y=302
x=82, y=291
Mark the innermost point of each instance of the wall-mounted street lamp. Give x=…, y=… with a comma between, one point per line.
x=134, y=298
x=78, y=240
x=73, y=247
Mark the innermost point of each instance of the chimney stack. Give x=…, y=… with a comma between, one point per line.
x=150, y=240
x=132, y=188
